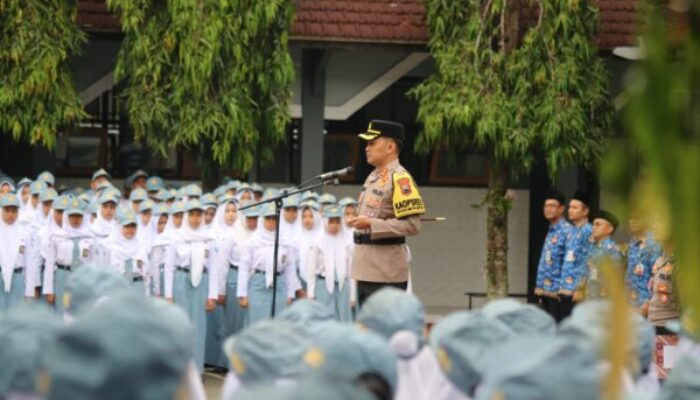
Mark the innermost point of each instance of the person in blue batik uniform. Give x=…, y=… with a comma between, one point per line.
x=552, y=256
x=574, y=269
x=642, y=252
x=603, y=249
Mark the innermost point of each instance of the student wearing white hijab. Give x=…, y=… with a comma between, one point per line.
x=146, y=230
x=104, y=225
x=290, y=226
x=15, y=265
x=230, y=317
x=68, y=248
x=245, y=227
x=191, y=274
x=230, y=253
x=126, y=253
x=41, y=215
x=210, y=207
x=29, y=203
x=255, y=272
x=156, y=254
x=310, y=222
x=348, y=206
x=329, y=266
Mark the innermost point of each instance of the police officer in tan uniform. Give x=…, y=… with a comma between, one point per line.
x=389, y=210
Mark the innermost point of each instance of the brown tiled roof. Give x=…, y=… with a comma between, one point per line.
x=386, y=21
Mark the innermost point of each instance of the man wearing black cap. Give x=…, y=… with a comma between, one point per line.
x=552, y=256
x=603, y=250
x=573, y=271
x=389, y=210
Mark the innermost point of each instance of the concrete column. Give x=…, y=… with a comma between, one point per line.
x=313, y=88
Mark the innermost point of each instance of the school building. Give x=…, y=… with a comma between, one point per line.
x=355, y=61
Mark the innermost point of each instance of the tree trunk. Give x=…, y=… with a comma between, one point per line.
x=497, y=234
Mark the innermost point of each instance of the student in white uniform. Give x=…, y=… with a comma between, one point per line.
x=255, y=272
x=309, y=231
x=68, y=248
x=191, y=274
x=126, y=254
x=24, y=191
x=229, y=318
x=156, y=253
x=15, y=250
x=329, y=266
x=230, y=252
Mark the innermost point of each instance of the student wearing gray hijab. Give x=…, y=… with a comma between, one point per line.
x=123, y=348
x=26, y=332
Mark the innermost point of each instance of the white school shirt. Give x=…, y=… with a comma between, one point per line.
x=61, y=253
x=179, y=255
x=141, y=267
x=230, y=254
x=22, y=260
x=317, y=267
x=257, y=258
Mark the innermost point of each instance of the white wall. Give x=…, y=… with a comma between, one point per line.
x=449, y=257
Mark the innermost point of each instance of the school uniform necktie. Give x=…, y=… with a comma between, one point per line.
x=129, y=270
x=75, y=256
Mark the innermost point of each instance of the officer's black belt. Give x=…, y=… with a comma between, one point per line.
x=64, y=267
x=186, y=269
x=137, y=278
x=18, y=270
x=367, y=239
x=233, y=267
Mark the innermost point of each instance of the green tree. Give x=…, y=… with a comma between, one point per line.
x=513, y=91
x=211, y=75
x=37, y=95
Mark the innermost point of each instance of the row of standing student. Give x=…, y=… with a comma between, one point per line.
x=180, y=254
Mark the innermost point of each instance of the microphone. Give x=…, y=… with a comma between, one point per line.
x=336, y=174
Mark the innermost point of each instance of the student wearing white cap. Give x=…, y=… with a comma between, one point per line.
x=68, y=248
x=329, y=266
x=126, y=254
x=158, y=248
x=255, y=272
x=30, y=207
x=15, y=250
x=229, y=318
x=191, y=273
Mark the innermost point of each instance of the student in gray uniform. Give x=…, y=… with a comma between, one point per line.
x=69, y=247
x=345, y=352
x=191, y=273
x=461, y=341
x=124, y=348
x=269, y=351
x=16, y=266
x=26, y=332
x=312, y=388
x=89, y=285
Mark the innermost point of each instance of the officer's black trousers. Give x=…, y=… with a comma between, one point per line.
x=566, y=304
x=366, y=289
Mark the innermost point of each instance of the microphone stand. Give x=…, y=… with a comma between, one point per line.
x=308, y=185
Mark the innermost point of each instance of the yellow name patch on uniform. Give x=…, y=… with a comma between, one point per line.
x=406, y=200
